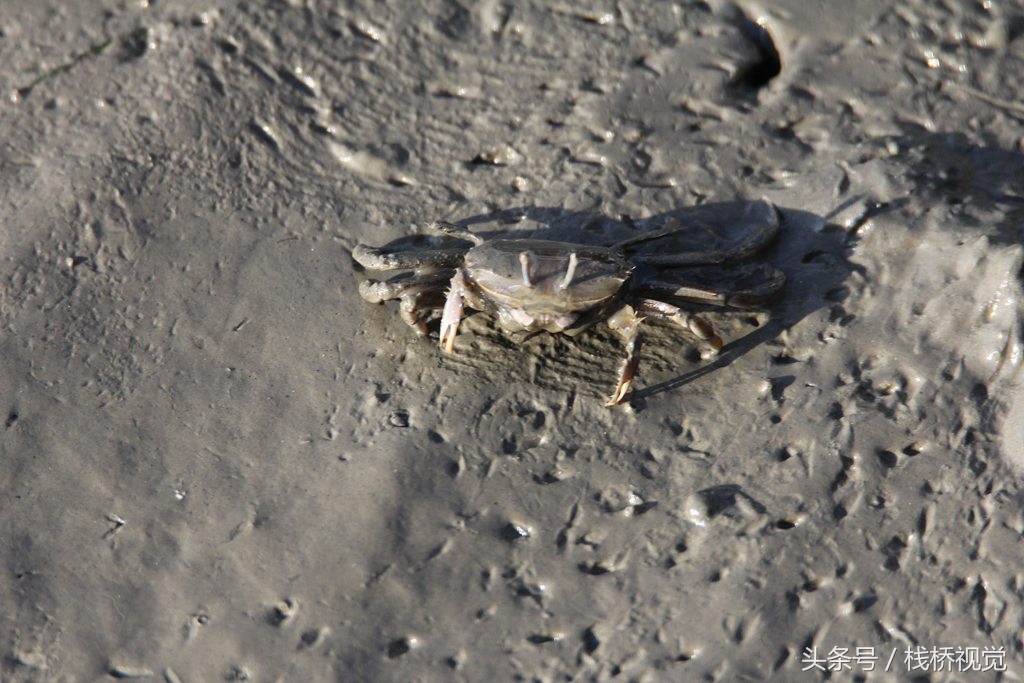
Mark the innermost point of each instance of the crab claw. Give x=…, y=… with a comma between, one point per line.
x=452, y=313
x=447, y=341
x=620, y=392
x=626, y=323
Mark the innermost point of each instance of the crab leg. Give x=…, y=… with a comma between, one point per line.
x=452, y=312
x=446, y=228
x=757, y=239
x=687, y=293
x=377, y=258
x=735, y=298
x=693, y=324
x=626, y=323
x=414, y=302
x=377, y=292
x=672, y=227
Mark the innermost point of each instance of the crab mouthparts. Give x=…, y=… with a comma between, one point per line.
x=544, y=321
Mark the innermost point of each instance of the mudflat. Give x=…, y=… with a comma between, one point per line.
x=217, y=462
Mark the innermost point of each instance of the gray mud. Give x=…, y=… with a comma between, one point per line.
x=218, y=463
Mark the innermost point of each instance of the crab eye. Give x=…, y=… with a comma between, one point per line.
x=524, y=262
x=569, y=272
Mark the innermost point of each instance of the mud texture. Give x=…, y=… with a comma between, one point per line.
x=218, y=463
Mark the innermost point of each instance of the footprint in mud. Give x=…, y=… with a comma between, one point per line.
x=511, y=427
x=377, y=412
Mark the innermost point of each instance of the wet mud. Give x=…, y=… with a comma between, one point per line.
x=217, y=462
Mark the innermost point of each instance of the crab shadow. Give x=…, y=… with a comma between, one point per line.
x=812, y=253
x=979, y=184
x=808, y=249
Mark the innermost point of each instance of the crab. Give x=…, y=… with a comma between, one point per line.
x=533, y=285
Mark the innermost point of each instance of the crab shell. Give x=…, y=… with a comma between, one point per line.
x=540, y=284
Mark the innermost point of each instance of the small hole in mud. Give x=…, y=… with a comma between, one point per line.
x=888, y=458
x=399, y=419
x=644, y=507
x=309, y=638
x=514, y=532
x=768, y=64
x=838, y=314
x=865, y=602
x=435, y=437
x=775, y=419
x=785, y=524
x=590, y=641
x=399, y=647
x=453, y=468
x=866, y=394
x=779, y=386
